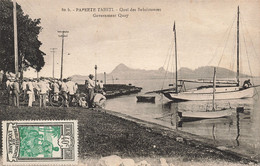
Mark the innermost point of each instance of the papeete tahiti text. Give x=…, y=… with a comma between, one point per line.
x=122, y=12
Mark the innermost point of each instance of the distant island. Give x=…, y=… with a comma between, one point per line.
x=123, y=72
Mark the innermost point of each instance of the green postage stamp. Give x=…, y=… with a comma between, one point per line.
x=40, y=142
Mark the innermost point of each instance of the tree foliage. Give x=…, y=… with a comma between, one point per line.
x=29, y=53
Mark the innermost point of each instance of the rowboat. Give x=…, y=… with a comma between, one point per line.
x=145, y=98
x=189, y=115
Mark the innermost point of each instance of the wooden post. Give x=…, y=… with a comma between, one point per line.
x=15, y=40
x=95, y=76
x=214, y=89
x=53, y=51
x=62, y=36
x=105, y=77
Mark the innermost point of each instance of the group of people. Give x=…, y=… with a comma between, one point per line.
x=43, y=88
x=31, y=89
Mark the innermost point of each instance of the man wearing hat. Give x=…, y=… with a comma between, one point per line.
x=16, y=91
x=24, y=88
x=9, y=85
x=30, y=92
x=43, y=87
x=71, y=90
x=90, y=90
x=64, y=91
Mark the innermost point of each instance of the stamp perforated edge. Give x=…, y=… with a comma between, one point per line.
x=51, y=162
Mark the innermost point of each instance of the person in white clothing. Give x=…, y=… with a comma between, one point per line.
x=56, y=89
x=90, y=90
x=76, y=88
x=101, y=84
x=64, y=91
x=30, y=92
x=43, y=92
x=99, y=100
x=71, y=90
x=24, y=88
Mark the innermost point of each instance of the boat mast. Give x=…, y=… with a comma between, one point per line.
x=238, y=46
x=214, y=89
x=176, y=72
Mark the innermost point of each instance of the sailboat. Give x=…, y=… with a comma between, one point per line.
x=212, y=114
x=224, y=90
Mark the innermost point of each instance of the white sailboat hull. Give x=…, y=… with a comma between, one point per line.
x=205, y=115
x=206, y=94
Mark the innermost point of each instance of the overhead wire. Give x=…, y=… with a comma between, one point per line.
x=225, y=43
x=167, y=59
x=213, y=57
x=248, y=59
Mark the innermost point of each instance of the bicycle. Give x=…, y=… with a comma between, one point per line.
x=57, y=100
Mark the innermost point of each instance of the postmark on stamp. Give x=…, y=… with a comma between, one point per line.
x=40, y=142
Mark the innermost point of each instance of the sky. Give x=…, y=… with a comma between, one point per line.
x=206, y=34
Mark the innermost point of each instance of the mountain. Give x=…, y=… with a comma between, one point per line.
x=121, y=67
x=123, y=72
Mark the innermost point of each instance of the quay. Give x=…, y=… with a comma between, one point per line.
x=115, y=90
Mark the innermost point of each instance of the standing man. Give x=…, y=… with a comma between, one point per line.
x=24, y=88
x=64, y=91
x=43, y=92
x=30, y=93
x=101, y=85
x=16, y=91
x=71, y=90
x=90, y=90
x=9, y=90
x=56, y=89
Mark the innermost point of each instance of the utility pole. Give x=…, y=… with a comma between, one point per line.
x=62, y=36
x=95, y=75
x=53, y=51
x=15, y=40
x=105, y=77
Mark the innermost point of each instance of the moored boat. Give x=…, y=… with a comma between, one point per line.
x=143, y=98
x=224, y=90
x=189, y=115
x=212, y=114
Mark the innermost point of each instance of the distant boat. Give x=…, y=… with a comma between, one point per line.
x=145, y=98
x=224, y=90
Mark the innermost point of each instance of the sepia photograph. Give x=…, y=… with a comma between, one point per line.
x=130, y=83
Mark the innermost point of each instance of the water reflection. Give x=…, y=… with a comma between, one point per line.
x=239, y=132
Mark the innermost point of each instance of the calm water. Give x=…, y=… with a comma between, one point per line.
x=239, y=133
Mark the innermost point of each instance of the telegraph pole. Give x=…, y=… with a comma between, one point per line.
x=53, y=51
x=95, y=75
x=15, y=40
x=62, y=36
x=105, y=77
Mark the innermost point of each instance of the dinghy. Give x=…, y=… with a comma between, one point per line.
x=144, y=98
x=212, y=114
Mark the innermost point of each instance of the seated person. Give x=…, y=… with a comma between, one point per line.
x=247, y=84
x=99, y=100
x=83, y=102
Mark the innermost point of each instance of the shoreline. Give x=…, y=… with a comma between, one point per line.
x=177, y=134
x=105, y=132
